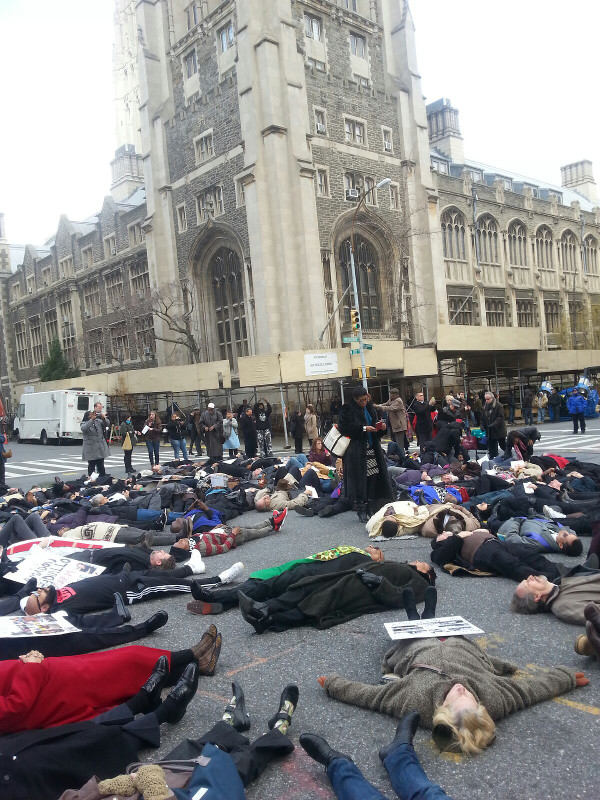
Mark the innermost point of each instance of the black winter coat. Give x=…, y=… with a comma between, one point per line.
x=248, y=429
x=350, y=423
x=492, y=420
x=423, y=415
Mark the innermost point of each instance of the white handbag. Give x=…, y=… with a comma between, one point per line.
x=336, y=442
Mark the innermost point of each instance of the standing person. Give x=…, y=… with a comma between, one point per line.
x=212, y=425
x=177, y=437
x=297, y=430
x=262, y=415
x=128, y=442
x=554, y=405
x=3, y=486
x=492, y=420
x=396, y=411
x=95, y=448
x=365, y=472
x=542, y=404
x=242, y=409
x=527, y=406
x=424, y=426
x=230, y=431
x=153, y=432
x=576, y=406
x=248, y=428
x=511, y=406
x=310, y=424
x=195, y=427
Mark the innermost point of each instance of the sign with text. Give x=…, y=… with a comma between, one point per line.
x=52, y=569
x=431, y=628
x=321, y=363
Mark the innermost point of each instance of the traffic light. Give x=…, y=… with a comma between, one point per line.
x=354, y=319
x=371, y=372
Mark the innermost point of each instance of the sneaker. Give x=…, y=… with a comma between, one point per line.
x=233, y=573
x=552, y=513
x=279, y=519
x=199, y=607
x=196, y=564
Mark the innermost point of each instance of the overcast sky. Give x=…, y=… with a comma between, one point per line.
x=523, y=74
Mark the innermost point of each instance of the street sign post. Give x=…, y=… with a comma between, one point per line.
x=355, y=352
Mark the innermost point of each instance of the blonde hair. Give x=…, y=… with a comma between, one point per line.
x=473, y=730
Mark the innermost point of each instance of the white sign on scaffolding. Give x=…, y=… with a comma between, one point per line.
x=321, y=363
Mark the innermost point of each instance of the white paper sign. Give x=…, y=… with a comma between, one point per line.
x=320, y=363
x=39, y=625
x=431, y=628
x=52, y=569
x=145, y=429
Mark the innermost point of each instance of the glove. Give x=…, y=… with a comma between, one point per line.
x=581, y=680
x=370, y=581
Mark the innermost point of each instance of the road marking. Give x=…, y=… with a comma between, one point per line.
x=264, y=660
x=578, y=706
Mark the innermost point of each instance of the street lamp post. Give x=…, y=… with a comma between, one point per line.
x=361, y=350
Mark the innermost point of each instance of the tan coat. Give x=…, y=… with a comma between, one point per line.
x=573, y=595
x=409, y=516
x=396, y=410
x=310, y=424
x=281, y=500
x=429, y=531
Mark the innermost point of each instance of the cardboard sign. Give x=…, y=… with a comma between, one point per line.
x=431, y=628
x=38, y=625
x=51, y=568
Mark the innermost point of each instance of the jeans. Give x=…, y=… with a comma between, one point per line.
x=299, y=460
x=177, y=445
x=153, y=451
x=511, y=414
x=405, y=772
x=151, y=515
x=541, y=414
x=527, y=416
x=554, y=413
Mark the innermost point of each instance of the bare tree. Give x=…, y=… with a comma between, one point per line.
x=175, y=305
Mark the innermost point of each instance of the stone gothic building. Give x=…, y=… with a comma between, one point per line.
x=246, y=131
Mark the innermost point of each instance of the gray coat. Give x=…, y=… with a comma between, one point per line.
x=214, y=439
x=517, y=530
x=457, y=660
x=573, y=594
x=94, y=443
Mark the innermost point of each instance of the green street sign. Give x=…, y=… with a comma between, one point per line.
x=354, y=352
x=367, y=346
x=349, y=339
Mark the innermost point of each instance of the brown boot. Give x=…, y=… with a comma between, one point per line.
x=583, y=646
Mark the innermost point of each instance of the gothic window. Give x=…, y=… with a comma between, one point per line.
x=543, y=244
x=21, y=340
x=552, y=315
x=487, y=234
x=517, y=244
x=119, y=342
x=590, y=253
x=367, y=280
x=453, y=235
x=37, y=345
x=568, y=252
x=230, y=306
x=460, y=310
x=525, y=313
x=494, y=312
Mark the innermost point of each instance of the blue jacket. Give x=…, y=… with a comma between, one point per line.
x=576, y=404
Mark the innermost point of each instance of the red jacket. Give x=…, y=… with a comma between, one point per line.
x=72, y=688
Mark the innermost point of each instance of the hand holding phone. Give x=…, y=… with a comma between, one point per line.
x=380, y=425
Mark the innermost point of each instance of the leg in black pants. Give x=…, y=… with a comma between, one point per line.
x=298, y=444
x=513, y=561
x=127, y=459
x=310, y=478
x=18, y=529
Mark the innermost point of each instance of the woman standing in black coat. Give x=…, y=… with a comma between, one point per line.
x=366, y=482
x=297, y=430
x=247, y=425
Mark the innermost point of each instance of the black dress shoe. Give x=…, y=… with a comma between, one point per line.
x=257, y=614
x=592, y=614
x=122, y=609
x=407, y=727
x=157, y=681
x=593, y=637
x=200, y=592
x=236, y=709
x=156, y=621
x=318, y=748
x=176, y=703
x=289, y=696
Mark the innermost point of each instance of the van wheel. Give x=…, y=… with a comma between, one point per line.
x=43, y=437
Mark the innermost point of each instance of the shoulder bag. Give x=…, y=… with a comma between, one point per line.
x=336, y=442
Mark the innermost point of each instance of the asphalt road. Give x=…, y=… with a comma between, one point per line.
x=545, y=751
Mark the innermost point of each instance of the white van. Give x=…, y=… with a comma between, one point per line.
x=57, y=416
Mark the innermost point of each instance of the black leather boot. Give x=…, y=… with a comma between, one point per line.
x=235, y=711
x=157, y=681
x=407, y=727
x=361, y=510
x=430, y=603
x=175, y=704
x=318, y=749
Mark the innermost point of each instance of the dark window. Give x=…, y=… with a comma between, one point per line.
x=367, y=280
x=83, y=403
x=230, y=308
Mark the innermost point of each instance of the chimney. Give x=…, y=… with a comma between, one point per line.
x=580, y=176
x=444, y=131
